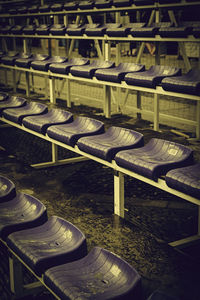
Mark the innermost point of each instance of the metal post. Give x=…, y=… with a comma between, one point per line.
x=52, y=89
x=16, y=276
x=14, y=80
x=198, y=121
x=107, y=101
x=27, y=84
x=68, y=93
x=119, y=194
x=54, y=153
x=156, y=112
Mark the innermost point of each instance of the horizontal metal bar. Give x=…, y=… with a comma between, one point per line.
x=183, y=243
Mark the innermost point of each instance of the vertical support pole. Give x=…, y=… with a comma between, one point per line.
x=118, y=54
x=27, y=84
x=16, y=276
x=198, y=121
x=54, y=152
x=55, y=18
x=107, y=51
x=73, y=40
x=68, y=93
x=52, y=90
x=119, y=194
x=14, y=80
x=25, y=46
x=107, y=101
x=66, y=40
x=156, y=112
x=138, y=104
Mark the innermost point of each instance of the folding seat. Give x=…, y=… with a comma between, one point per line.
x=188, y=83
x=99, y=30
x=12, y=56
x=12, y=102
x=22, y=212
x=17, y=29
x=26, y=62
x=44, y=65
x=182, y=30
x=29, y=29
x=117, y=74
x=64, y=68
x=103, y=3
x=75, y=29
x=22, y=9
x=152, y=77
x=57, y=29
x=57, y=7
x=3, y=96
x=168, y=1
x=120, y=31
x=72, y=5
x=43, y=29
x=44, y=8
x=144, y=2
x=100, y=275
x=159, y=295
x=122, y=3
x=196, y=29
x=12, y=11
x=71, y=132
x=185, y=179
x=7, y=189
x=89, y=70
x=156, y=158
x=30, y=109
x=40, y=123
x=149, y=31
x=6, y=29
x=33, y=9
x=90, y=28
x=86, y=4
x=55, y=242
x=107, y=144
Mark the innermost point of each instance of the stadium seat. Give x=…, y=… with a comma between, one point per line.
x=44, y=65
x=12, y=102
x=89, y=70
x=7, y=189
x=64, y=68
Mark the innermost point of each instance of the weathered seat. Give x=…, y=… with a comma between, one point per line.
x=22, y=9
x=103, y=3
x=44, y=8
x=3, y=96
x=149, y=31
x=6, y=29
x=90, y=28
x=152, y=77
x=71, y=5
x=18, y=113
x=143, y=2
x=156, y=158
x=107, y=144
x=22, y=212
x=29, y=29
x=168, y=1
x=12, y=102
x=26, y=62
x=7, y=189
x=182, y=30
x=9, y=58
x=89, y=70
x=188, y=83
x=158, y=295
x=57, y=6
x=86, y=4
x=122, y=3
x=57, y=29
x=75, y=29
x=117, y=74
x=44, y=65
x=55, y=242
x=64, y=68
x=186, y=180
x=42, y=122
x=43, y=29
x=33, y=9
x=121, y=31
x=70, y=133
x=100, y=275
x=17, y=29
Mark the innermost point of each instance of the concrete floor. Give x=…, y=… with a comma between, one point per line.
x=82, y=193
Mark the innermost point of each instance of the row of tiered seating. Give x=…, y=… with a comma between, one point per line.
x=170, y=78
x=88, y=4
x=56, y=253
x=163, y=29
x=155, y=159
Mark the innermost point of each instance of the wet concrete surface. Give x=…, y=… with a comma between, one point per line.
x=82, y=193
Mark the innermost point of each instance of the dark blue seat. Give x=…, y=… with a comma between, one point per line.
x=86, y=4
x=22, y=212
x=6, y=29
x=143, y=2
x=121, y=31
x=33, y=9
x=55, y=242
x=7, y=189
x=196, y=29
x=17, y=29
x=103, y=3
x=89, y=70
x=2, y=53
x=117, y=74
x=9, y=58
x=44, y=65
x=22, y=9
x=97, y=30
x=89, y=28
x=76, y=29
x=64, y=68
x=149, y=31
x=17, y=114
x=152, y=77
x=70, y=133
x=159, y=295
x=100, y=275
x=107, y=144
x=156, y=158
x=44, y=8
x=57, y=29
x=26, y=62
x=188, y=83
x=122, y=3
x=185, y=179
x=57, y=6
x=168, y=1
x=71, y=5
x=182, y=30
x=43, y=29
x=42, y=122
x=3, y=96
x=12, y=102
x=29, y=29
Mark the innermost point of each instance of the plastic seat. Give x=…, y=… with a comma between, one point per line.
x=7, y=189
x=22, y=9
x=182, y=30
x=44, y=65
x=149, y=31
x=103, y=3
x=17, y=114
x=64, y=68
x=3, y=96
x=155, y=159
x=89, y=70
x=196, y=29
x=55, y=242
x=121, y=31
x=143, y=2
x=57, y=7
x=107, y=144
x=76, y=29
x=72, y=5
x=70, y=133
x=100, y=275
x=168, y=1
x=152, y=77
x=44, y=8
x=42, y=122
x=188, y=83
x=185, y=179
x=17, y=29
x=26, y=62
x=22, y=212
x=33, y=9
x=12, y=102
x=9, y=58
x=158, y=295
x=2, y=54
x=29, y=29
x=43, y=29
x=58, y=29
x=86, y=4
x=89, y=28
x=97, y=30
x=117, y=74
x=6, y=29
x=122, y=3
